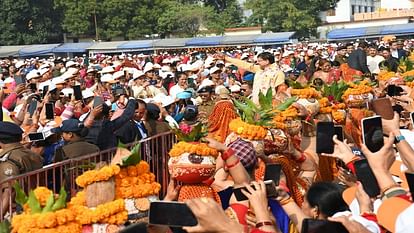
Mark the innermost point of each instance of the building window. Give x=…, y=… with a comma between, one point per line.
x=366, y=9
x=331, y=12
x=353, y=9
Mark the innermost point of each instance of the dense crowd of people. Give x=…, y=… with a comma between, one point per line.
x=99, y=101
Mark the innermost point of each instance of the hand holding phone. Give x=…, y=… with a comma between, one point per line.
x=270, y=191
x=165, y=213
x=49, y=111
x=77, y=92
x=372, y=134
x=366, y=177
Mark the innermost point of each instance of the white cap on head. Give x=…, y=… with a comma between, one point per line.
x=19, y=64
x=87, y=93
x=214, y=70
x=107, y=69
x=235, y=88
x=148, y=67
x=33, y=74
x=67, y=91
x=70, y=64
x=118, y=74
x=106, y=78
x=137, y=74
x=58, y=80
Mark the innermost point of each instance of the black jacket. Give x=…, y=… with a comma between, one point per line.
x=129, y=132
x=358, y=60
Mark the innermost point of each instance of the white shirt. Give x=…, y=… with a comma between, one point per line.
x=373, y=63
x=394, y=53
x=175, y=90
x=369, y=225
x=405, y=223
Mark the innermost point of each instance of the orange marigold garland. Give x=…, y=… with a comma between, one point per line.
x=192, y=148
x=103, y=174
x=247, y=131
x=101, y=213
x=305, y=93
x=136, y=182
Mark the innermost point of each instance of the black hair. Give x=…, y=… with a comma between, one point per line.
x=385, y=49
x=363, y=44
x=327, y=197
x=267, y=56
x=11, y=139
x=336, y=63
x=349, y=44
x=140, y=102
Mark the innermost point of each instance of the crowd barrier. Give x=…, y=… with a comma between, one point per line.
x=154, y=150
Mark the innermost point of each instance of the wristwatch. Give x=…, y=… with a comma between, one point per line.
x=399, y=138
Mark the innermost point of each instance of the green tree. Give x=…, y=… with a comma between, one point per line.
x=29, y=22
x=288, y=15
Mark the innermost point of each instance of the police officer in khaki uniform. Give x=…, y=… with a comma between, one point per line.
x=73, y=132
x=14, y=158
x=207, y=105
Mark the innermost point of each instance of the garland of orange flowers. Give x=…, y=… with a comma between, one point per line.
x=305, y=93
x=113, y=211
x=408, y=73
x=192, y=148
x=338, y=116
x=386, y=75
x=246, y=130
x=42, y=194
x=280, y=119
x=409, y=84
x=63, y=220
x=136, y=182
x=357, y=89
x=92, y=176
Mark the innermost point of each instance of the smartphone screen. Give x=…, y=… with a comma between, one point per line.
x=372, y=134
x=324, y=134
x=166, y=213
x=393, y=90
x=49, y=111
x=339, y=132
x=272, y=172
x=410, y=181
x=270, y=191
x=32, y=107
x=366, y=177
x=97, y=101
x=322, y=226
x=34, y=137
x=45, y=90
x=77, y=92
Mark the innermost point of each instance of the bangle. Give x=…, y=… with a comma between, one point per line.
x=233, y=165
x=227, y=154
x=286, y=201
x=383, y=191
x=302, y=158
x=263, y=223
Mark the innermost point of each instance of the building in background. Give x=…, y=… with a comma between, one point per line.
x=372, y=15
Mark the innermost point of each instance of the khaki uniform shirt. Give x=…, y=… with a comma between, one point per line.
x=270, y=77
x=18, y=160
x=206, y=108
x=74, y=150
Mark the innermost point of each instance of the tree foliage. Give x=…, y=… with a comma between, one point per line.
x=288, y=15
x=29, y=22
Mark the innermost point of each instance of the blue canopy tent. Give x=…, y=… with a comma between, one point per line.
x=346, y=33
x=136, y=45
x=399, y=29
x=105, y=47
x=239, y=40
x=6, y=51
x=73, y=47
x=274, y=38
x=37, y=50
x=175, y=43
x=204, y=41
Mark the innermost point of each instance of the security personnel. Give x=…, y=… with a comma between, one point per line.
x=14, y=158
x=207, y=105
x=73, y=133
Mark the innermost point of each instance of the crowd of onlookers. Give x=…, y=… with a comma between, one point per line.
x=59, y=108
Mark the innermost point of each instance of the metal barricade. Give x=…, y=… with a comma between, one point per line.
x=154, y=150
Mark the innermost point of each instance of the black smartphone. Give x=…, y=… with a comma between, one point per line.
x=20, y=80
x=33, y=87
x=372, y=134
x=49, y=111
x=97, y=100
x=32, y=107
x=393, y=90
x=77, y=92
x=45, y=90
x=165, y=213
x=272, y=172
x=366, y=177
x=322, y=226
x=410, y=181
x=119, y=91
x=339, y=132
x=324, y=133
x=270, y=191
x=34, y=137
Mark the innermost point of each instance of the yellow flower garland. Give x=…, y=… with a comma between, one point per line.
x=42, y=194
x=102, y=174
x=289, y=114
x=192, y=148
x=59, y=221
x=357, y=89
x=101, y=213
x=386, y=75
x=246, y=130
x=136, y=182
